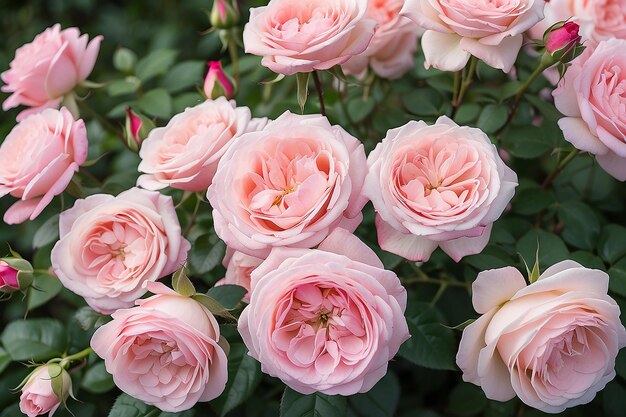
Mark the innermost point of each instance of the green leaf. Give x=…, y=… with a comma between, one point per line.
x=492, y=118
x=124, y=60
x=612, y=243
x=431, y=345
x=528, y=142
x=546, y=109
x=294, y=404
x=227, y=295
x=182, y=284
x=244, y=375
x=155, y=63
x=128, y=85
x=45, y=288
x=466, y=400
x=87, y=318
x=532, y=200
x=214, y=306
x=5, y=359
x=551, y=248
x=423, y=102
x=582, y=225
x=183, y=75
x=127, y=406
x=381, y=401
x=617, y=278
x=205, y=256
x=359, y=109
x=302, y=83
x=467, y=113
x=47, y=233
x=97, y=380
x=34, y=339
x=157, y=103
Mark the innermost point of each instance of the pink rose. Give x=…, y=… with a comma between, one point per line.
x=165, y=352
x=185, y=153
x=303, y=36
x=325, y=320
x=590, y=95
x=239, y=266
x=598, y=19
x=563, y=39
x=8, y=278
x=290, y=184
x=109, y=246
x=38, y=397
x=217, y=83
x=391, y=52
x=38, y=160
x=440, y=185
x=457, y=29
x=552, y=343
x=49, y=67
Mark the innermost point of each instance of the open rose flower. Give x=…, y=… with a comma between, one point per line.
x=49, y=67
x=440, y=185
x=109, y=246
x=303, y=36
x=598, y=19
x=38, y=160
x=591, y=96
x=165, y=351
x=325, y=320
x=185, y=153
x=288, y=185
x=552, y=343
x=391, y=52
x=38, y=397
x=239, y=266
x=492, y=31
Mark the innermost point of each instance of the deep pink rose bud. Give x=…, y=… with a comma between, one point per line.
x=136, y=129
x=217, y=83
x=225, y=14
x=563, y=38
x=8, y=278
x=15, y=274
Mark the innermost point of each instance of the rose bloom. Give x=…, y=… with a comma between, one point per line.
x=165, y=351
x=552, y=343
x=38, y=397
x=49, y=67
x=303, y=36
x=109, y=246
x=8, y=278
x=440, y=185
x=239, y=266
x=591, y=96
x=391, y=52
x=325, y=320
x=38, y=160
x=457, y=29
x=598, y=19
x=288, y=185
x=185, y=153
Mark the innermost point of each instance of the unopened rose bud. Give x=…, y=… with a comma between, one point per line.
x=225, y=14
x=15, y=274
x=217, y=83
x=136, y=129
x=562, y=41
x=46, y=389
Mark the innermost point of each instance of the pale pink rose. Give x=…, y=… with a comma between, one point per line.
x=165, y=352
x=49, y=67
x=239, y=266
x=38, y=160
x=185, y=153
x=598, y=19
x=289, y=184
x=38, y=397
x=326, y=320
x=492, y=31
x=391, y=52
x=591, y=96
x=552, y=343
x=440, y=185
x=303, y=36
x=109, y=246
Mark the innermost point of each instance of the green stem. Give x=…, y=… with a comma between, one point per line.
x=192, y=220
x=234, y=58
x=320, y=91
x=104, y=122
x=468, y=77
x=76, y=357
x=560, y=167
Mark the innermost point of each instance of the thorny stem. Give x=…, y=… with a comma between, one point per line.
x=320, y=91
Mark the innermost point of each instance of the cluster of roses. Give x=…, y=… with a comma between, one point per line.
x=287, y=194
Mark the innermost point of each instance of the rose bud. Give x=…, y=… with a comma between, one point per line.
x=562, y=41
x=217, y=83
x=15, y=274
x=136, y=129
x=225, y=14
x=45, y=390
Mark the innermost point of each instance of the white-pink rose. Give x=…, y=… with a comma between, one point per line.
x=185, y=153
x=552, y=343
x=239, y=266
x=49, y=67
x=391, y=52
x=325, y=320
x=598, y=19
x=440, y=185
x=38, y=396
x=591, y=96
x=303, y=36
x=289, y=184
x=109, y=246
x=492, y=31
x=165, y=352
x=38, y=160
